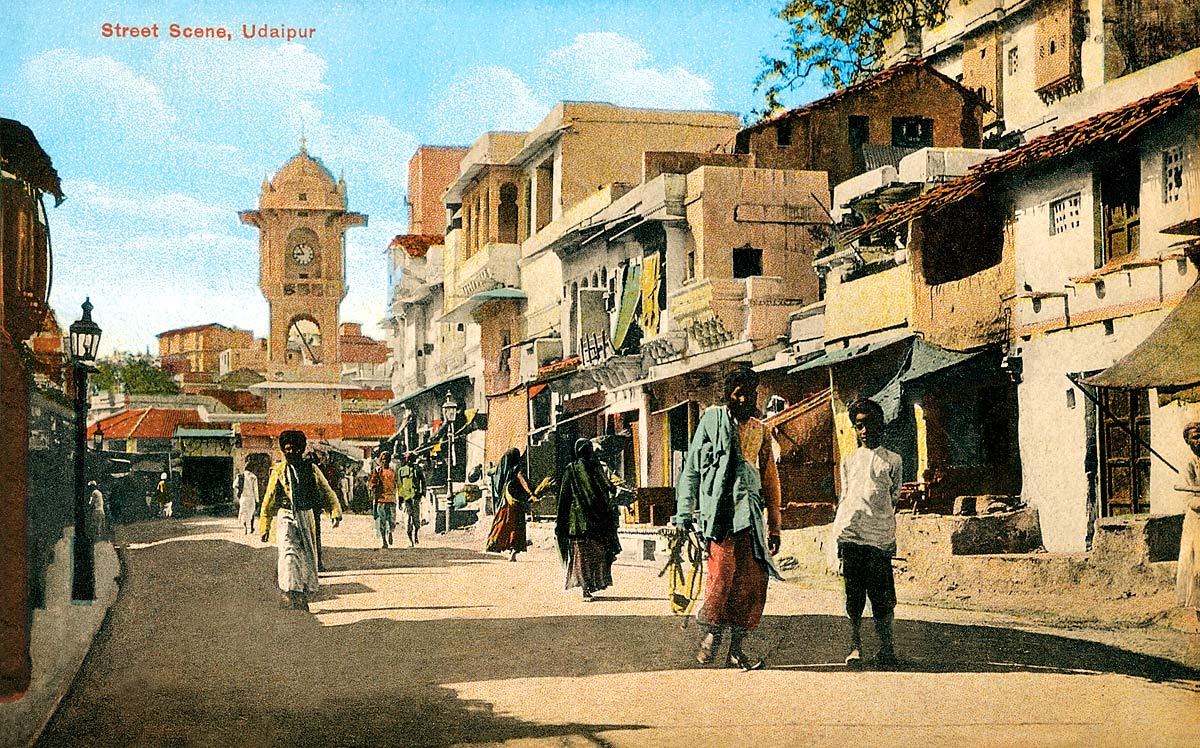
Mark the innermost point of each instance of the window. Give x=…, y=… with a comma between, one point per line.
x=783, y=134
x=1172, y=173
x=545, y=193
x=912, y=132
x=860, y=131
x=747, y=262
x=506, y=214
x=1064, y=215
x=303, y=197
x=1120, y=197
x=1014, y=61
x=505, y=354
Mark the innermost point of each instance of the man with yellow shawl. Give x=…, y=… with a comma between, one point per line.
x=294, y=489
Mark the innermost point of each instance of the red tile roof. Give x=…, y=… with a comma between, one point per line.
x=353, y=426
x=144, y=423
x=1108, y=128
x=367, y=425
x=415, y=245
x=875, y=81
x=365, y=394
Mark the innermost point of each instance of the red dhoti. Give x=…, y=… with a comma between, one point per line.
x=736, y=589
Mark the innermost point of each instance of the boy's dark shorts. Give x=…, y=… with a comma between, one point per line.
x=868, y=570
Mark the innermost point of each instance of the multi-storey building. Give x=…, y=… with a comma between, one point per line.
x=36, y=521
x=515, y=196
x=198, y=348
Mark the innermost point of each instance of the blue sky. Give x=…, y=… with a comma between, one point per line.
x=160, y=142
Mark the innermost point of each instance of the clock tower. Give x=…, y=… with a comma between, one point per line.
x=302, y=219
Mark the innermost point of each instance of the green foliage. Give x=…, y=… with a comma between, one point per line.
x=842, y=39
x=136, y=373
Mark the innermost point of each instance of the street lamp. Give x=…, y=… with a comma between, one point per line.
x=85, y=339
x=449, y=413
x=98, y=439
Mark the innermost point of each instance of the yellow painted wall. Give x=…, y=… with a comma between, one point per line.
x=875, y=302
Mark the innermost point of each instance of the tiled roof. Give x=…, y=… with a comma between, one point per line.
x=144, y=423
x=1108, y=128
x=365, y=394
x=875, y=81
x=415, y=245
x=353, y=426
x=367, y=425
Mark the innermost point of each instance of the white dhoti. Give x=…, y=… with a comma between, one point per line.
x=246, y=508
x=295, y=537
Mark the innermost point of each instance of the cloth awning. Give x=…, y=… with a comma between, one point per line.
x=923, y=359
x=1167, y=359
x=806, y=427
x=631, y=296
x=463, y=312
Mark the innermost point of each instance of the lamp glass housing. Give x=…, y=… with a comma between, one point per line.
x=85, y=336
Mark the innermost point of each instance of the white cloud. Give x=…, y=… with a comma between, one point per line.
x=606, y=66
x=97, y=91
x=483, y=99
x=96, y=202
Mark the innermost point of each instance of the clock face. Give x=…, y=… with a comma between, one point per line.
x=303, y=254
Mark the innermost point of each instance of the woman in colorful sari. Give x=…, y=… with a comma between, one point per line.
x=511, y=495
x=586, y=527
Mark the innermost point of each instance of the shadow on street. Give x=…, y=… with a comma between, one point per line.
x=196, y=653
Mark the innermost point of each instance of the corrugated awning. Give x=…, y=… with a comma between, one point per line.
x=829, y=358
x=1167, y=359
x=427, y=388
x=463, y=312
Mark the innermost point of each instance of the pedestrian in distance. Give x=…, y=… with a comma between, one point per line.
x=729, y=475
x=99, y=512
x=410, y=488
x=1187, y=575
x=162, y=497
x=586, y=526
x=294, y=487
x=514, y=494
x=864, y=531
x=245, y=493
x=382, y=485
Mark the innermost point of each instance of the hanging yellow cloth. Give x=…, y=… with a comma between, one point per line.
x=651, y=278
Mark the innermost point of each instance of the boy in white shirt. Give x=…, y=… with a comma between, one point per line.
x=865, y=531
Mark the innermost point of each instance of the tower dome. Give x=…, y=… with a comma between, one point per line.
x=304, y=183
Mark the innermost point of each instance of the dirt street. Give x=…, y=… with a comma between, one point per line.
x=446, y=646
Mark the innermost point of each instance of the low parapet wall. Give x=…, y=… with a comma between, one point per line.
x=1126, y=578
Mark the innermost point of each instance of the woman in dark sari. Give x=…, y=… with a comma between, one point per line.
x=587, y=522
x=510, y=497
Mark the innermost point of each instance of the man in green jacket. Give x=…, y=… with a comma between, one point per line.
x=729, y=475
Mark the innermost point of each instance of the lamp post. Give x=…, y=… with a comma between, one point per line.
x=85, y=339
x=449, y=413
x=98, y=439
